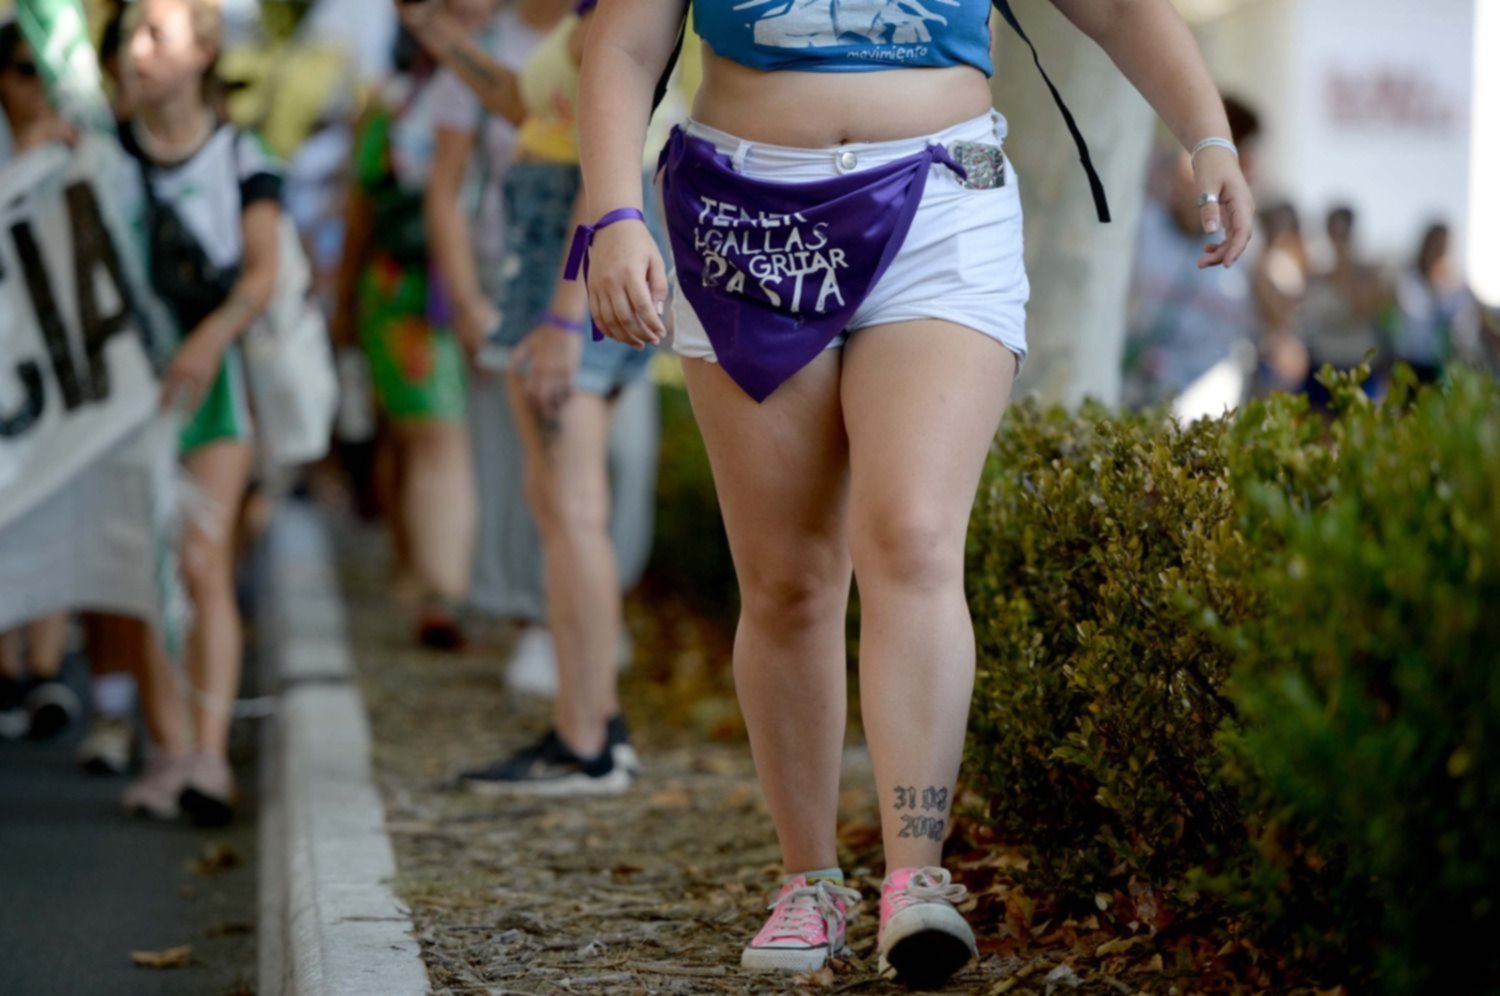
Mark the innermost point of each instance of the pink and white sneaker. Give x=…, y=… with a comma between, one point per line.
x=806, y=928
x=923, y=939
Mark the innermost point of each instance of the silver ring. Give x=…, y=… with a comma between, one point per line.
x=1204, y=200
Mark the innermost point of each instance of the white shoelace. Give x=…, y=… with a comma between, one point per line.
x=929, y=885
x=800, y=911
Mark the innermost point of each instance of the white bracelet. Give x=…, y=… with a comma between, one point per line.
x=1215, y=143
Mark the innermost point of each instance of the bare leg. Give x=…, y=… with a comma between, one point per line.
x=781, y=472
x=215, y=643
x=922, y=401
x=567, y=490
x=44, y=645
x=436, y=507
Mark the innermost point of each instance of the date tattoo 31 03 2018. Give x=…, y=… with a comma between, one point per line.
x=918, y=826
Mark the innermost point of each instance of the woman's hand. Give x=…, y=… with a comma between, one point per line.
x=545, y=363
x=628, y=285
x=1217, y=172
x=193, y=369
x=474, y=318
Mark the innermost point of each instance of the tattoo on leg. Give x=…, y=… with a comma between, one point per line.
x=932, y=798
x=923, y=827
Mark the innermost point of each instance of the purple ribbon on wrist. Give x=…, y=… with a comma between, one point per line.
x=566, y=324
x=583, y=239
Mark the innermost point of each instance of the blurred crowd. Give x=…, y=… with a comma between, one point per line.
x=1307, y=296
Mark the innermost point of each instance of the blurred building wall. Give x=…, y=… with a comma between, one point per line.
x=1366, y=102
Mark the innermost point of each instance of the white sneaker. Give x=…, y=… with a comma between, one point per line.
x=532, y=668
x=109, y=746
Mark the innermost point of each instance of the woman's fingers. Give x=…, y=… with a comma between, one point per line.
x=604, y=312
x=643, y=304
x=1241, y=229
x=1209, y=212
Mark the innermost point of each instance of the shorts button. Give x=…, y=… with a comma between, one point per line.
x=847, y=161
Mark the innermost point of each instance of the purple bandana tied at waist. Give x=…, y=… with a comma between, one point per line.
x=775, y=271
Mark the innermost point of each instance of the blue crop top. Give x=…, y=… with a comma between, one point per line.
x=847, y=36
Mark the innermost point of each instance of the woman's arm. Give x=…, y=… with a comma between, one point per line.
x=1153, y=47
x=196, y=363
x=497, y=87
x=627, y=49
x=448, y=237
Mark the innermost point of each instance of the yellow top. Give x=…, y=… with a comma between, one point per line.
x=549, y=89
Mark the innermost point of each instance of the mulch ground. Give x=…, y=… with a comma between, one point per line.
x=655, y=891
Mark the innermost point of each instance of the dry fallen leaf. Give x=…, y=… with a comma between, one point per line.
x=821, y=979
x=1154, y=964
x=168, y=958
x=1102, y=900
x=1118, y=946
x=215, y=858
x=671, y=798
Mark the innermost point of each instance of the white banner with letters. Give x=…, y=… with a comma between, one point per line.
x=88, y=468
x=75, y=369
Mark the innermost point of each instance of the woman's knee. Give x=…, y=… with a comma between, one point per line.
x=797, y=589
x=909, y=545
x=563, y=510
x=207, y=565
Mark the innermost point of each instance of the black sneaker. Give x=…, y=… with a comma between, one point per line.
x=53, y=707
x=617, y=738
x=549, y=768
x=14, y=719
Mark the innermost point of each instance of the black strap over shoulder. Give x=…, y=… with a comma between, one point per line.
x=666, y=74
x=1096, y=185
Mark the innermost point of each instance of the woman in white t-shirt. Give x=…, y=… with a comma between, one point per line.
x=213, y=218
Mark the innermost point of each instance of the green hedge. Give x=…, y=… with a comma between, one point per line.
x=1253, y=661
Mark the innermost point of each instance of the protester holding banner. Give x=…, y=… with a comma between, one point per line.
x=213, y=219
x=69, y=194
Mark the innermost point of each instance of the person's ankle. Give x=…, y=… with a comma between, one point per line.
x=832, y=874
x=586, y=741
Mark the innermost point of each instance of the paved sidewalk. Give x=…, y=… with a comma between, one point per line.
x=81, y=885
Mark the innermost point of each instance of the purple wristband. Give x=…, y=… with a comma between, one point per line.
x=583, y=239
x=557, y=321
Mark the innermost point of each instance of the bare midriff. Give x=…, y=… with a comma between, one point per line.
x=819, y=110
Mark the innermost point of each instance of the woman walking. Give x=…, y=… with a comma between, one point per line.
x=213, y=216
x=850, y=305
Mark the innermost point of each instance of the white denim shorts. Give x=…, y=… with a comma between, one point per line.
x=962, y=261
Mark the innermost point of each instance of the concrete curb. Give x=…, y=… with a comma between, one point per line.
x=329, y=922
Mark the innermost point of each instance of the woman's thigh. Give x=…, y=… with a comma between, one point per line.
x=781, y=471
x=221, y=472
x=922, y=401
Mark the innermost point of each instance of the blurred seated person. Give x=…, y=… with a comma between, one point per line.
x=1437, y=320
x=1280, y=286
x=1345, y=306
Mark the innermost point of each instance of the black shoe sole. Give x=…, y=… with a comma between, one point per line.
x=205, y=810
x=97, y=766
x=928, y=959
x=48, y=721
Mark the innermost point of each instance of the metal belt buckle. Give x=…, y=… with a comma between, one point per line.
x=984, y=163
